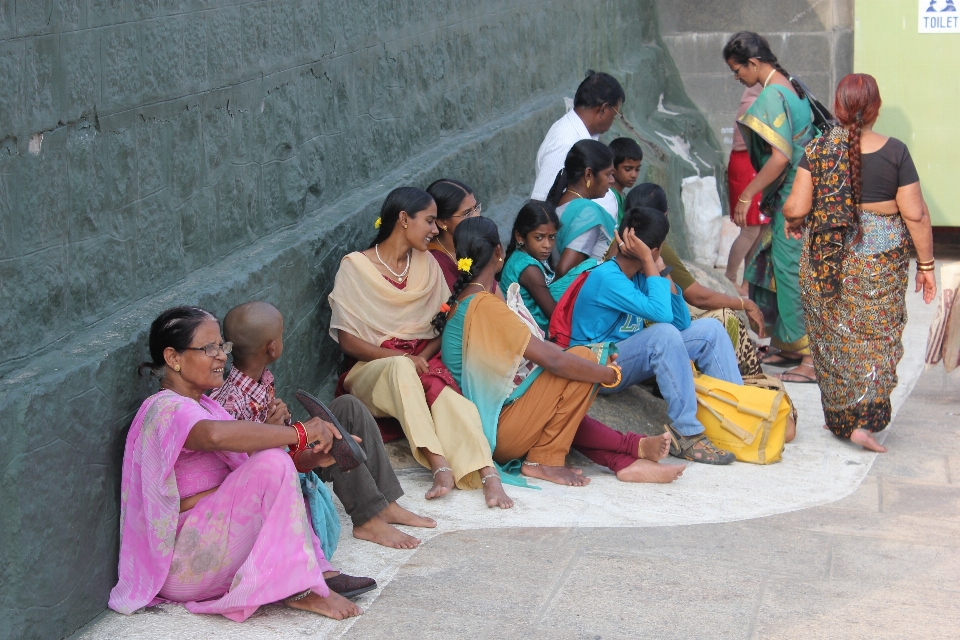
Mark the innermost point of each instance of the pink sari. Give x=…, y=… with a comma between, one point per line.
x=247, y=544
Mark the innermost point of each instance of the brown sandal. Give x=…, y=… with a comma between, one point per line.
x=688, y=447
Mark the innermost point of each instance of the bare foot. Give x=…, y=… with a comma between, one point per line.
x=493, y=489
x=865, y=439
x=395, y=514
x=654, y=448
x=559, y=475
x=791, y=431
x=576, y=470
x=442, y=480
x=650, y=471
x=377, y=530
x=333, y=606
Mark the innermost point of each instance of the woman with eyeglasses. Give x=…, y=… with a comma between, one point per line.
x=211, y=510
x=455, y=203
x=776, y=128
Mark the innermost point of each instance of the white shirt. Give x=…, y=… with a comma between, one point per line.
x=565, y=132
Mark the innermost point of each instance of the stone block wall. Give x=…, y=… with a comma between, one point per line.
x=162, y=152
x=813, y=39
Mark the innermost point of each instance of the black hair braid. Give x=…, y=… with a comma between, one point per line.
x=796, y=85
x=476, y=239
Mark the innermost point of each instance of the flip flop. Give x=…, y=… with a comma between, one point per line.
x=805, y=379
x=345, y=451
x=776, y=359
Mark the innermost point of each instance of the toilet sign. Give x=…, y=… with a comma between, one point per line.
x=938, y=16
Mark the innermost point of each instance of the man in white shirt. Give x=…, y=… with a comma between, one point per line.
x=596, y=104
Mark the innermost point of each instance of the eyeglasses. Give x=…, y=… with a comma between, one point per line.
x=213, y=349
x=619, y=115
x=469, y=213
x=736, y=72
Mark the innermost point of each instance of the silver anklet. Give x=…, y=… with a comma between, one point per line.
x=483, y=479
x=442, y=469
x=531, y=464
x=299, y=596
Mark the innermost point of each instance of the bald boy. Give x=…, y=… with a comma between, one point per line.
x=368, y=493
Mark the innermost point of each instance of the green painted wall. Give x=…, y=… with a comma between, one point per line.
x=210, y=152
x=917, y=74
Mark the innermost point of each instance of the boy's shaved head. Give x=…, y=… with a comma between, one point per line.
x=250, y=326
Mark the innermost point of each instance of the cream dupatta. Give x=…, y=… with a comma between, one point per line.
x=364, y=304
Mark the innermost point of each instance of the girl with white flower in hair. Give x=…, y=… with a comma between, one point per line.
x=382, y=304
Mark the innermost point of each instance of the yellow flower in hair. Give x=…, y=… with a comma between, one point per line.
x=376, y=225
x=465, y=264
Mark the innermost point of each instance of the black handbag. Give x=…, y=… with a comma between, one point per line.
x=822, y=118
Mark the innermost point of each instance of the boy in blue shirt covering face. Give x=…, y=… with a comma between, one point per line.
x=631, y=300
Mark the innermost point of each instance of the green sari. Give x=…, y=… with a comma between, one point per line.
x=778, y=119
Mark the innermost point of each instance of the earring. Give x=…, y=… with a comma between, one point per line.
x=501, y=259
x=404, y=226
x=520, y=244
x=444, y=228
x=177, y=368
x=588, y=184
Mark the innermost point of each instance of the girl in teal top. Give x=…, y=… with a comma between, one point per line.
x=529, y=261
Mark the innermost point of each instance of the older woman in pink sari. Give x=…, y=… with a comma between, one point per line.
x=212, y=514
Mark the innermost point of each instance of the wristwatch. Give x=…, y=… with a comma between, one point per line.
x=666, y=271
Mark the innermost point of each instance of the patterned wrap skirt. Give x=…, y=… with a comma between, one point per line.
x=855, y=335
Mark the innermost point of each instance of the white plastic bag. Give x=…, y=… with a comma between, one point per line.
x=703, y=217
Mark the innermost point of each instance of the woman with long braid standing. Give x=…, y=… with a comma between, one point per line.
x=857, y=197
x=776, y=128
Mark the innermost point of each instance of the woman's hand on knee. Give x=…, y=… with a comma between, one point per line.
x=420, y=363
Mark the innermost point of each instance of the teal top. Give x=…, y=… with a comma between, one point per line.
x=518, y=262
x=580, y=216
x=452, y=350
x=479, y=392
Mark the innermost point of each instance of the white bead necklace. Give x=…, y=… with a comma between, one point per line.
x=398, y=276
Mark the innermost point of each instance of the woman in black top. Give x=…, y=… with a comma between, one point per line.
x=858, y=202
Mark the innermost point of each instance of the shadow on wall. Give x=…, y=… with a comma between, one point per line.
x=174, y=173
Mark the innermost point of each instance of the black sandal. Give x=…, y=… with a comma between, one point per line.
x=345, y=451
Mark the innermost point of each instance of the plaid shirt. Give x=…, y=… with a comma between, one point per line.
x=245, y=398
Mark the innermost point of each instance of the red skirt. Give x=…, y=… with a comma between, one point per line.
x=739, y=174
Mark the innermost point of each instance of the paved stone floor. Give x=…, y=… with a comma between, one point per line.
x=882, y=563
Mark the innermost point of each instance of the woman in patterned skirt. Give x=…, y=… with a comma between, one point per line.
x=858, y=202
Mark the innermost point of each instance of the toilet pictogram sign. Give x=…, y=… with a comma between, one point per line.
x=938, y=16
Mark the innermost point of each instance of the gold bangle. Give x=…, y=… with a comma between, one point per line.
x=743, y=305
x=925, y=269
x=619, y=377
x=928, y=263
x=741, y=200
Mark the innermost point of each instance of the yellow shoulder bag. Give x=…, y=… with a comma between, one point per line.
x=750, y=422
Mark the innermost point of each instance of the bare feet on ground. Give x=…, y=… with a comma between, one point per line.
x=654, y=448
x=383, y=533
x=333, y=606
x=395, y=514
x=865, y=439
x=493, y=491
x=559, y=475
x=650, y=471
x=442, y=480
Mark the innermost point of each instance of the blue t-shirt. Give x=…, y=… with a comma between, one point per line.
x=612, y=307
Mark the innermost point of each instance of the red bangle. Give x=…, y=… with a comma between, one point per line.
x=301, y=438
x=296, y=463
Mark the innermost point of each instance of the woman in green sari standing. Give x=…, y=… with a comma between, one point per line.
x=776, y=129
